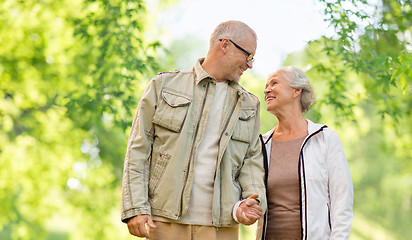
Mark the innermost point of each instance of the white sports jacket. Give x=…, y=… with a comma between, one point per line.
x=326, y=188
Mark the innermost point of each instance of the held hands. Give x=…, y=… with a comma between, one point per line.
x=137, y=225
x=247, y=213
x=249, y=210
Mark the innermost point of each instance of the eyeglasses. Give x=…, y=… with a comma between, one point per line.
x=250, y=58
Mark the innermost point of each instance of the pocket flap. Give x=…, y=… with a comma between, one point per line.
x=247, y=114
x=174, y=100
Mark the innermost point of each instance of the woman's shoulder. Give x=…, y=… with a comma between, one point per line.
x=321, y=128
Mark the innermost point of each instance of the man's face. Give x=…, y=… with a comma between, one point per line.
x=238, y=61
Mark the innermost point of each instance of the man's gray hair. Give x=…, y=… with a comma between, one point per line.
x=231, y=29
x=298, y=79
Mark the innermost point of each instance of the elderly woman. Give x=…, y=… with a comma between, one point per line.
x=309, y=185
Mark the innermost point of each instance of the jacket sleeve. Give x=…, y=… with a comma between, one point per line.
x=252, y=174
x=340, y=189
x=134, y=199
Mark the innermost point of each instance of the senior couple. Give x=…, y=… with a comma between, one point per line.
x=196, y=165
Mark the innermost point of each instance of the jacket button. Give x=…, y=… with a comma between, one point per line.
x=227, y=134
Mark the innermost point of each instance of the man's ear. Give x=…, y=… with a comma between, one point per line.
x=224, y=44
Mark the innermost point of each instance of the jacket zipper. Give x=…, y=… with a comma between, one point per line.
x=227, y=122
x=193, y=146
x=233, y=109
x=224, y=129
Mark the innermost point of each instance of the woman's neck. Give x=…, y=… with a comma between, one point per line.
x=291, y=127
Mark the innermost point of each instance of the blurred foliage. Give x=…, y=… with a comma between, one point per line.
x=70, y=77
x=373, y=40
x=71, y=74
x=363, y=80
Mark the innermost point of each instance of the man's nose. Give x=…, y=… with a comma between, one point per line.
x=250, y=64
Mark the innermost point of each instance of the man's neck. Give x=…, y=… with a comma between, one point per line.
x=211, y=67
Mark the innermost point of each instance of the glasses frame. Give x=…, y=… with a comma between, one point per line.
x=250, y=58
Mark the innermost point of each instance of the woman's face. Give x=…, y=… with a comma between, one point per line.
x=278, y=93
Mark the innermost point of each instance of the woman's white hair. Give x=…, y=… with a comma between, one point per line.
x=298, y=79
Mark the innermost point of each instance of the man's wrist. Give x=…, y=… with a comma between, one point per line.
x=235, y=209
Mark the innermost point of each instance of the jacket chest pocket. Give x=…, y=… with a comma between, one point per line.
x=244, y=126
x=172, y=110
x=316, y=168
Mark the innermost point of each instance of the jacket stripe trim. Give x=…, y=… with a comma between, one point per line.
x=267, y=140
x=265, y=165
x=302, y=167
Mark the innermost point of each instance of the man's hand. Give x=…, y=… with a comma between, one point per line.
x=249, y=210
x=137, y=225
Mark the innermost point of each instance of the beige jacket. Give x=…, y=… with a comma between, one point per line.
x=160, y=157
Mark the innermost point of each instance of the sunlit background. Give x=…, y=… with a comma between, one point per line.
x=282, y=27
x=72, y=73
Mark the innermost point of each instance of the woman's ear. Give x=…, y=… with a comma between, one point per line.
x=296, y=92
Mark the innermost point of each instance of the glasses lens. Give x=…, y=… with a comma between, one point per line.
x=250, y=58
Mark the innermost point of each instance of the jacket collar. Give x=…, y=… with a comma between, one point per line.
x=199, y=72
x=312, y=127
x=268, y=135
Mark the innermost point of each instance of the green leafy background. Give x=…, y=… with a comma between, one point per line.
x=71, y=75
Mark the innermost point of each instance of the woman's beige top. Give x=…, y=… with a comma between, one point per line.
x=283, y=190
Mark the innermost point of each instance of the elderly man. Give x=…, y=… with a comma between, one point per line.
x=193, y=166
